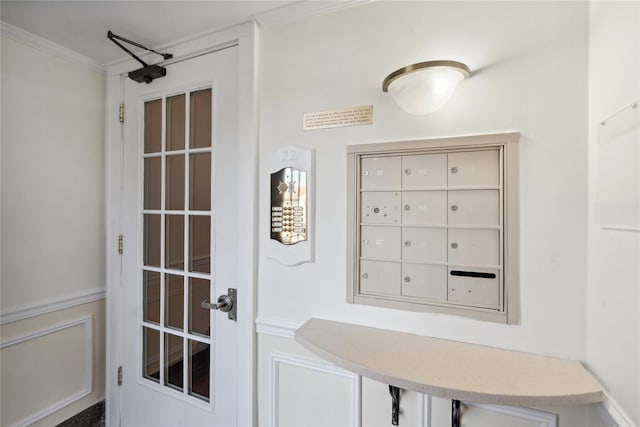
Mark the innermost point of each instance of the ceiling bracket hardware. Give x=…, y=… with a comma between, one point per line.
x=121, y=113
x=455, y=413
x=148, y=72
x=395, y=404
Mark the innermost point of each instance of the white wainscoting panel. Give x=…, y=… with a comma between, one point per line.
x=304, y=389
x=45, y=371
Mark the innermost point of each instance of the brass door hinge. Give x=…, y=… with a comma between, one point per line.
x=120, y=244
x=121, y=113
x=119, y=375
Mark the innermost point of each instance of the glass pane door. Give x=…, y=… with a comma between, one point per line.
x=177, y=244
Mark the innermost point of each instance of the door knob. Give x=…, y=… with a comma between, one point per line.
x=225, y=303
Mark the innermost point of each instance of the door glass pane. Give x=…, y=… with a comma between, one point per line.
x=173, y=360
x=151, y=354
x=151, y=287
x=200, y=182
x=152, y=182
x=175, y=183
x=174, y=301
x=199, y=369
x=200, y=120
x=151, y=246
x=174, y=244
x=199, y=291
x=153, y=126
x=200, y=243
x=175, y=122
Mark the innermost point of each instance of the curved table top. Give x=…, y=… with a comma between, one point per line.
x=451, y=369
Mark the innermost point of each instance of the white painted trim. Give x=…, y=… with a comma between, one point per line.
x=47, y=46
x=87, y=322
x=278, y=359
x=612, y=413
x=546, y=419
x=61, y=304
x=276, y=327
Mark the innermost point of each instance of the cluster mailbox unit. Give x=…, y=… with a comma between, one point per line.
x=433, y=226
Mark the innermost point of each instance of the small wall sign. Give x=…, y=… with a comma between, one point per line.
x=355, y=116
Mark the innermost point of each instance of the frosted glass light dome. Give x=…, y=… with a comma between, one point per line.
x=425, y=87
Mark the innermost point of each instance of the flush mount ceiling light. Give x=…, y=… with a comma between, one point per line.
x=424, y=87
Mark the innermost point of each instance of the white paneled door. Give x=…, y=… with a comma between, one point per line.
x=180, y=204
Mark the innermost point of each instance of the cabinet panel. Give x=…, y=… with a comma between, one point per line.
x=381, y=242
x=473, y=168
x=381, y=173
x=424, y=244
x=474, y=207
x=474, y=247
x=470, y=290
x=379, y=277
x=424, y=171
x=424, y=207
x=424, y=281
x=381, y=207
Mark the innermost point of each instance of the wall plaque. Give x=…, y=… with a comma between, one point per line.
x=355, y=116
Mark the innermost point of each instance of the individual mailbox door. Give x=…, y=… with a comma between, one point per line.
x=474, y=247
x=380, y=278
x=424, y=281
x=381, y=207
x=475, y=207
x=477, y=287
x=381, y=242
x=474, y=169
x=381, y=173
x=424, y=208
x=422, y=244
x=420, y=172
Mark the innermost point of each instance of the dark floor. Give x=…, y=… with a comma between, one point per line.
x=93, y=416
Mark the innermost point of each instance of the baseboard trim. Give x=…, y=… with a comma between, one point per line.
x=276, y=327
x=47, y=46
x=38, y=310
x=612, y=413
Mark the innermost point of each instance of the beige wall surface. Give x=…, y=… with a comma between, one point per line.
x=529, y=63
x=52, y=364
x=613, y=310
x=52, y=178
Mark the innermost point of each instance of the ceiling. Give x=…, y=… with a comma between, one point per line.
x=82, y=25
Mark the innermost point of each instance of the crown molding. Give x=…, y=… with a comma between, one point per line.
x=47, y=46
x=291, y=13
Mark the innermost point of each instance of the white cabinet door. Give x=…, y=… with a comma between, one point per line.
x=381, y=173
x=424, y=281
x=424, y=208
x=477, y=287
x=425, y=171
x=422, y=244
x=381, y=207
x=474, y=247
x=381, y=242
x=474, y=169
x=474, y=207
x=380, y=278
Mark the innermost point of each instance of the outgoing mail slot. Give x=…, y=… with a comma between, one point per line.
x=381, y=207
x=424, y=207
x=380, y=242
x=477, y=207
x=477, y=287
x=421, y=244
x=381, y=173
x=474, y=247
x=424, y=281
x=380, y=278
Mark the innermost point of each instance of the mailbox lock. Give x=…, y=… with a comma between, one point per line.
x=454, y=245
x=454, y=207
x=407, y=279
x=454, y=169
x=407, y=207
x=407, y=171
x=365, y=173
x=365, y=276
x=376, y=210
x=407, y=243
x=365, y=241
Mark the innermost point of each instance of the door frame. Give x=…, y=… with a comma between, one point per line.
x=247, y=37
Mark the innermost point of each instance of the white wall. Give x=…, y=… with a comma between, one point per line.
x=52, y=280
x=52, y=178
x=529, y=61
x=613, y=313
